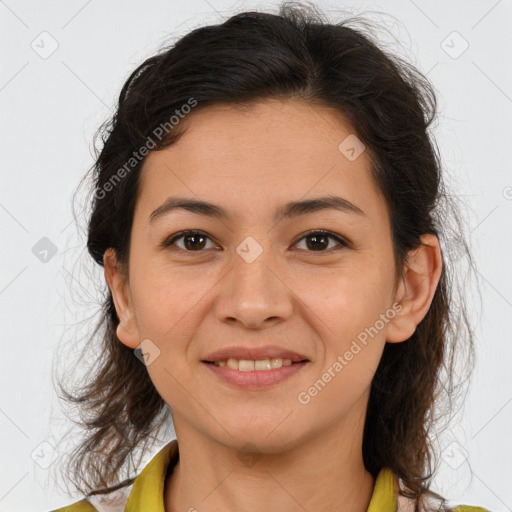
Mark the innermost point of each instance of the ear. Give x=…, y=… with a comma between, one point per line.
x=417, y=285
x=118, y=282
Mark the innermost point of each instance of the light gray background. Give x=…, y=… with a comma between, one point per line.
x=52, y=104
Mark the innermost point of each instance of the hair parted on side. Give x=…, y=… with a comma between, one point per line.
x=295, y=54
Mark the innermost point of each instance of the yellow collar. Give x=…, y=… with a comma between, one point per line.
x=148, y=488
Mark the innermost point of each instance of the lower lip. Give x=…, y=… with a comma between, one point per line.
x=256, y=379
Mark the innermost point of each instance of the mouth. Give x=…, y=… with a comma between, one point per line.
x=250, y=365
x=254, y=358
x=255, y=375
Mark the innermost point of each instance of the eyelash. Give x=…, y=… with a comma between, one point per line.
x=172, y=239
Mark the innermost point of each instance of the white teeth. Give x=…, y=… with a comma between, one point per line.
x=246, y=365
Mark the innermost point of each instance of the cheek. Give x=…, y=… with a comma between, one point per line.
x=353, y=337
x=166, y=300
x=167, y=306
x=349, y=299
x=351, y=313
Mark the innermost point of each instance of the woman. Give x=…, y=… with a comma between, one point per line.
x=268, y=208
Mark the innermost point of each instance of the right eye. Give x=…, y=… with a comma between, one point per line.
x=193, y=241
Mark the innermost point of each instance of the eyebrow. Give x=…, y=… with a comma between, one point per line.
x=289, y=210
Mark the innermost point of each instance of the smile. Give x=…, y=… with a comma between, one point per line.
x=244, y=374
x=248, y=365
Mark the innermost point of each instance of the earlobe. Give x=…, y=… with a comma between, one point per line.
x=416, y=289
x=117, y=280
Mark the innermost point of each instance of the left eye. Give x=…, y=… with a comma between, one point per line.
x=319, y=240
x=196, y=241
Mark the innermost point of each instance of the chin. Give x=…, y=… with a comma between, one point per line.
x=264, y=437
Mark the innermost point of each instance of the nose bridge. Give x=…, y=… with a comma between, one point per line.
x=252, y=292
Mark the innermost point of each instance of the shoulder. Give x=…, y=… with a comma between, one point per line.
x=430, y=502
x=408, y=505
x=133, y=491
x=469, y=508
x=111, y=501
x=79, y=506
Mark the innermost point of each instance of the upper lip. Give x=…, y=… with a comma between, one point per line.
x=254, y=353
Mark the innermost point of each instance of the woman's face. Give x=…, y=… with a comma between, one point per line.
x=256, y=277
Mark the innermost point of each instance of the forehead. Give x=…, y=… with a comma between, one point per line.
x=252, y=156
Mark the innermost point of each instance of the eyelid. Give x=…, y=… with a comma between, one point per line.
x=180, y=234
x=340, y=239
x=343, y=242
x=325, y=232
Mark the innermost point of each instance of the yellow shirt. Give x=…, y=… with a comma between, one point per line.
x=146, y=492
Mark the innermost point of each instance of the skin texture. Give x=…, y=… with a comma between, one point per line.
x=251, y=161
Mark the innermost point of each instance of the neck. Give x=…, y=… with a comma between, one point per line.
x=324, y=472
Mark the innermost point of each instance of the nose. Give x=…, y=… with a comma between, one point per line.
x=254, y=294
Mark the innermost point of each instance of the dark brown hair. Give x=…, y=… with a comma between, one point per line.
x=295, y=54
